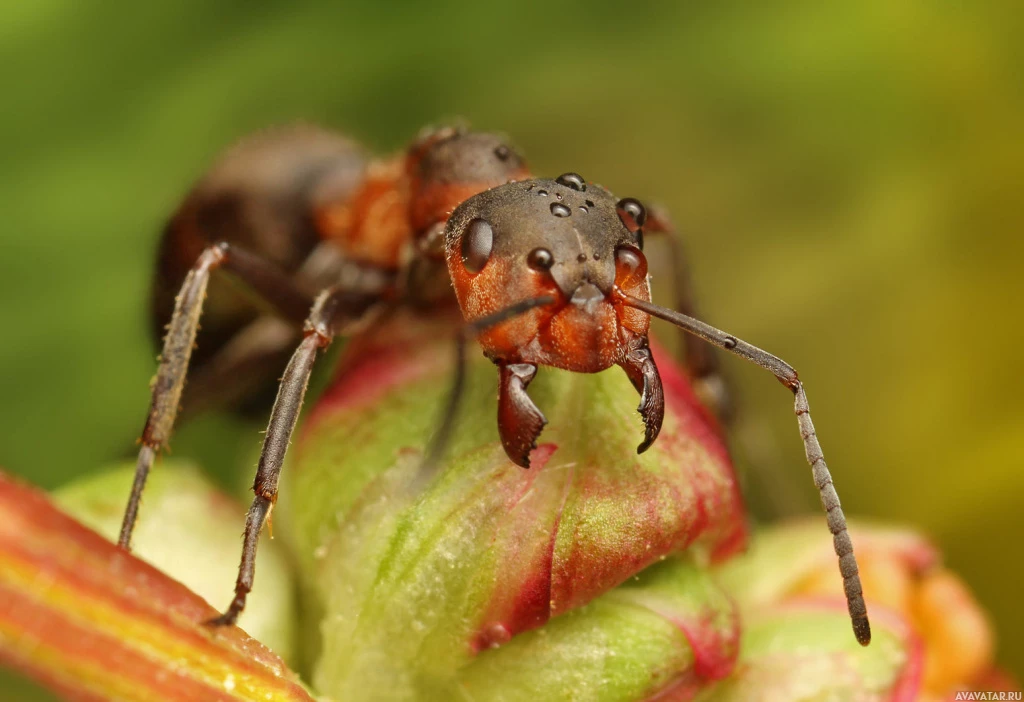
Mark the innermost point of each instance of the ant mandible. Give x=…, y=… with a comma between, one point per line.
x=546, y=272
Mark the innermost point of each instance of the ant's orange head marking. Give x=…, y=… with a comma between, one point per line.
x=449, y=165
x=565, y=238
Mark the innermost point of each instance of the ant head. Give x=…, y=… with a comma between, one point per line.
x=565, y=238
x=450, y=164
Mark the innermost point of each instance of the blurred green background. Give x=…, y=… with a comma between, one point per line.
x=849, y=177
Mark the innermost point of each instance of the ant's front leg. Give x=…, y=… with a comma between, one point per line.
x=519, y=420
x=639, y=366
x=273, y=285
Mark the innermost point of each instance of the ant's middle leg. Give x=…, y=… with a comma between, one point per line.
x=332, y=309
x=167, y=385
x=700, y=358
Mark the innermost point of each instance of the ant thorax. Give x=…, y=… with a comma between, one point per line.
x=403, y=199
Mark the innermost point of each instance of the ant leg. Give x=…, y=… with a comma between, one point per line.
x=700, y=359
x=319, y=330
x=787, y=375
x=639, y=366
x=167, y=386
x=439, y=442
x=519, y=420
x=243, y=372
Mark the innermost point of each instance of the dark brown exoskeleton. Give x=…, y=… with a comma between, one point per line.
x=546, y=272
x=304, y=209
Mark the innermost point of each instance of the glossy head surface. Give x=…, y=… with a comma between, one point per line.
x=566, y=238
x=449, y=165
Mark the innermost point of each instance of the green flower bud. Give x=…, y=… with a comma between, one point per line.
x=417, y=574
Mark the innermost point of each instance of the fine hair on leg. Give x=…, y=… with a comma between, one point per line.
x=167, y=385
x=318, y=332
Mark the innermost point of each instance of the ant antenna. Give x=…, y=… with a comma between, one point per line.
x=787, y=375
x=440, y=440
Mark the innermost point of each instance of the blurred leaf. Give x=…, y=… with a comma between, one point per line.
x=94, y=622
x=189, y=529
x=803, y=651
x=931, y=637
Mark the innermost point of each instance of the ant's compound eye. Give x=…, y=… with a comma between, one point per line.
x=477, y=243
x=572, y=180
x=632, y=213
x=502, y=152
x=540, y=260
x=630, y=266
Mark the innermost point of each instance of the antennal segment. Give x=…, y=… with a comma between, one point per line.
x=787, y=375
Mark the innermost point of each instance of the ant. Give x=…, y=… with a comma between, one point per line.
x=545, y=272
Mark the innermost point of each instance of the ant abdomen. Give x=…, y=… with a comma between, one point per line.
x=261, y=195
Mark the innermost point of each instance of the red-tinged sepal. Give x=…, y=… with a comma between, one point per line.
x=435, y=568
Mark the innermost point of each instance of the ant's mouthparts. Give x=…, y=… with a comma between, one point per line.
x=587, y=295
